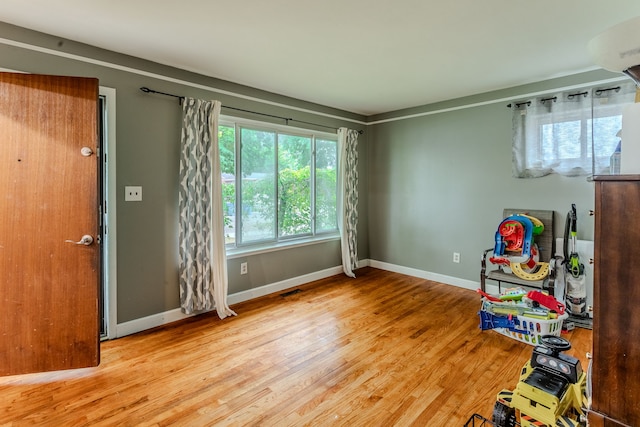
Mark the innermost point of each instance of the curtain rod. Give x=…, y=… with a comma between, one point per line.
x=286, y=119
x=598, y=92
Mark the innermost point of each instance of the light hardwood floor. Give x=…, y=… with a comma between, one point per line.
x=384, y=349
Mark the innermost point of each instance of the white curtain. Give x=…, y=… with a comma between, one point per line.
x=203, y=262
x=348, y=198
x=605, y=132
x=570, y=133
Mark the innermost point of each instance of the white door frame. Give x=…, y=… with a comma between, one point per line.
x=109, y=246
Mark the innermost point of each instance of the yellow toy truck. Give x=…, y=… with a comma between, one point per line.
x=551, y=390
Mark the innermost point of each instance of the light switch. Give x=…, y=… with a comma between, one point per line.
x=132, y=193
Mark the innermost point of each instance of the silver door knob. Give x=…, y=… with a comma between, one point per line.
x=85, y=240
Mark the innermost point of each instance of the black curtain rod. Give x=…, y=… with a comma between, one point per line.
x=286, y=119
x=573, y=95
x=147, y=90
x=518, y=104
x=598, y=92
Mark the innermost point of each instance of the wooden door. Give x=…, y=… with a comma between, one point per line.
x=49, y=277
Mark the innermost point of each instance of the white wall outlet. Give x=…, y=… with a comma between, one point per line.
x=244, y=268
x=132, y=193
x=456, y=257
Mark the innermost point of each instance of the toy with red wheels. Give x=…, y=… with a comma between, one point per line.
x=515, y=250
x=551, y=390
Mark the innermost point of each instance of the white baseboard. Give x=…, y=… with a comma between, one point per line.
x=282, y=285
x=144, y=323
x=436, y=277
x=159, y=319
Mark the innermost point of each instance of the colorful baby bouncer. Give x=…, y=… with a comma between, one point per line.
x=515, y=248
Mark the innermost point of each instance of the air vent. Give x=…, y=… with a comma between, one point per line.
x=295, y=291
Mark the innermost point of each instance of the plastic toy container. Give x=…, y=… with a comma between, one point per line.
x=533, y=328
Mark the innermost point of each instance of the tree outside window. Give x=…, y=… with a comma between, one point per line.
x=281, y=185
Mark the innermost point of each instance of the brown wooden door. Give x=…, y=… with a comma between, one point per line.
x=49, y=285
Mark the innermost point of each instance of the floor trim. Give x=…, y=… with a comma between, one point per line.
x=159, y=319
x=436, y=277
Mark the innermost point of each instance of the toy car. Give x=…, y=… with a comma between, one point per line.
x=551, y=390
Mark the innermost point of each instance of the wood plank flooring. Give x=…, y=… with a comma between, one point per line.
x=383, y=349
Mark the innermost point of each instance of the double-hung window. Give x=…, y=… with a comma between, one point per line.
x=279, y=183
x=569, y=133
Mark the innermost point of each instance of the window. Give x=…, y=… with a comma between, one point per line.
x=571, y=133
x=568, y=141
x=278, y=184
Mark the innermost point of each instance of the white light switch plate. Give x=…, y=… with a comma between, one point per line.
x=132, y=193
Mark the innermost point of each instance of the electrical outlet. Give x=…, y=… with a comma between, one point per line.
x=244, y=268
x=456, y=257
x=132, y=193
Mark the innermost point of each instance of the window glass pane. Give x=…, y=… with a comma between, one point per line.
x=226, y=144
x=562, y=140
x=258, y=201
x=605, y=130
x=276, y=186
x=574, y=136
x=326, y=185
x=294, y=185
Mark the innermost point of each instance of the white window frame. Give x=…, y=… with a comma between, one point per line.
x=239, y=248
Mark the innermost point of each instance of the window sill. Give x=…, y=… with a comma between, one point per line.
x=273, y=247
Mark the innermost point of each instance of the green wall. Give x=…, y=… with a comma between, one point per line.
x=439, y=182
x=429, y=185
x=148, y=142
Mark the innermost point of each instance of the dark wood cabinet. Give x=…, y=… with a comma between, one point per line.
x=616, y=322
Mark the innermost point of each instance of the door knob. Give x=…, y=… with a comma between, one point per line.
x=86, y=240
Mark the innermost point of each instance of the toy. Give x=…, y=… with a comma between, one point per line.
x=487, y=296
x=517, y=301
x=515, y=247
x=510, y=308
x=514, y=237
x=490, y=321
x=551, y=390
x=524, y=319
x=546, y=301
x=512, y=294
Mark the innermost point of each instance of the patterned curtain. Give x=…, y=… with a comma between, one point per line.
x=203, y=263
x=348, y=198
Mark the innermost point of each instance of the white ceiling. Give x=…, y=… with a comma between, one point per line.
x=362, y=56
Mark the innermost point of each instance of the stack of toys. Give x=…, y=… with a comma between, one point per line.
x=515, y=249
x=521, y=315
